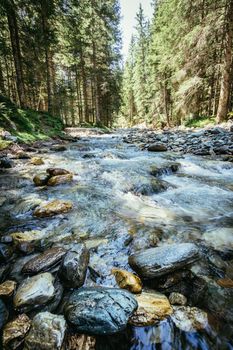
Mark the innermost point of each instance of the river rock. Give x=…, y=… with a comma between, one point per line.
x=44, y=261
x=152, y=307
x=162, y=260
x=60, y=179
x=58, y=148
x=15, y=331
x=74, y=266
x=3, y=314
x=225, y=282
x=47, y=332
x=80, y=342
x=36, y=161
x=100, y=310
x=157, y=147
x=34, y=291
x=189, y=319
x=5, y=252
x=127, y=280
x=6, y=163
x=177, y=299
x=52, y=208
x=41, y=179
x=26, y=241
x=7, y=288
x=57, y=171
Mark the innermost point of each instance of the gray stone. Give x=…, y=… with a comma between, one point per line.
x=177, y=299
x=160, y=261
x=100, y=310
x=189, y=319
x=47, y=332
x=74, y=266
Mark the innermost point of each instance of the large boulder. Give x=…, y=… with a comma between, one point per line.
x=100, y=310
x=162, y=260
x=74, y=266
x=44, y=261
x=47, y=332
x=157, y=147
x=52, y=208
x=35, y=291
x=152, y=307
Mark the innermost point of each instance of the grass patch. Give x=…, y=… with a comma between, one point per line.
x=201, y=122
x=28, y=125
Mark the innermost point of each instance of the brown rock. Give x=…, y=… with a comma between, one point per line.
x=60, y=179
x=25, y=241
x=127, y=280
x=157, y=147
x=177, y=299
x=152, y=307
x=52, y=208
x=44, y=261
x=57, y=171
x=225, y=282
x=80, y=342
x=37, y=161
x=7, y=288
x=15, y=331
x=41, y=179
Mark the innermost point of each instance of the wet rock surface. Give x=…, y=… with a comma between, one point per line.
x=74, y=266
x=189, y=319
x=7, y=288
x=152, y=307
x=3, y=314
x=15, y=331
x=100, y=310
x=34, y=291
x=53, y=208
x=47, y=332
x=159, y=261
x=80, y=342
x=127, y=280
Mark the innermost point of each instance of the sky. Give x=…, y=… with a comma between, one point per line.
x=129, y=8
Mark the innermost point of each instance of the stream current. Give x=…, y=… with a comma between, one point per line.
x=116, y=202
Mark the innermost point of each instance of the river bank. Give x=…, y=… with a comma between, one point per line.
x=154, y=226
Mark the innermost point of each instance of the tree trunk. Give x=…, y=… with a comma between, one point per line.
x=15, y=45
x=227, y=61
x=2, y=84
x=84, y=86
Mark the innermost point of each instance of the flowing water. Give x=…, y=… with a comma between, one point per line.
x=115, y=201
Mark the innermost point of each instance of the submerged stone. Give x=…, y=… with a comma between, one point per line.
x=52, y=208
x=15, y=331
x=127, y=280
x=36, y=161
x=162, y=260
x=152, y=307
x=47, y=332
x=44, y=261
x=60, y=179
x=189, y=319
x=100, y=310
x=34, y=291
x=80, y=342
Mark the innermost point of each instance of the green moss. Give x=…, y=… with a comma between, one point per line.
x=201, y=122
x=4, y=144
x=27, y=124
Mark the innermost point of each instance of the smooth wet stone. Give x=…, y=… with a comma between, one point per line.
x=3, y=314
x=36, y=161
x=7, y=288
x=73, y=268
x=160, y=261
x=152, y=307
x=52, y=208
x=15, y=331
x=44, y=261
x=34, y=291
x=5, y=252
x=60, y=179
x=41, y=179
x=58, y=148
x=157, y=147
x=100, y=310
x=57, y=171
x=177, y=299
x=80, y=342
x=127, y=280
x=189, y=319
x=26, y=241
x=47, y=332
x=165, y=169
x=225, y=282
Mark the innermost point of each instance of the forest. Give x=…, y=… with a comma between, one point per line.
x=64, y=57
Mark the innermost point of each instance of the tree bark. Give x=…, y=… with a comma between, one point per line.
x=16, y=51
x=227, y=61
